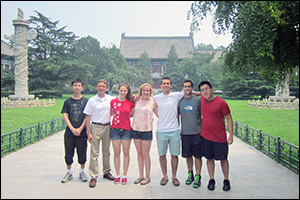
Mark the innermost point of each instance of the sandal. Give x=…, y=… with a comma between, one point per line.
x=144, y=181
x=138, y=180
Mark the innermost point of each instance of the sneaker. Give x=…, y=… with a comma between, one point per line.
x=124, y=181
x=83, y=177
x=67, y=177
x=226, y=185
x=197, y=182
x=117, y=180
x=211, y=184
x=190, y=178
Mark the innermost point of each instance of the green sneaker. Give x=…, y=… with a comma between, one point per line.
x=190, y=178
x=197, y=182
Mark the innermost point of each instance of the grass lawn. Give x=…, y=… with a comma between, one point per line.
x=278, y=123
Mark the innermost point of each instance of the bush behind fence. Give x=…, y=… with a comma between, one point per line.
x=279, y=150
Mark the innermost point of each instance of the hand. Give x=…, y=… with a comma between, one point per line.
x=230, y=140
x=90, y=138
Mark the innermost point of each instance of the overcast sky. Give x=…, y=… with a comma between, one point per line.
x=106, y=20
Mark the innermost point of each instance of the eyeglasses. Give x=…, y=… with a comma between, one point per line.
x=204, y=89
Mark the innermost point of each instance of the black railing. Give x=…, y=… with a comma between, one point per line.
x=18, y=139
x=279, y=150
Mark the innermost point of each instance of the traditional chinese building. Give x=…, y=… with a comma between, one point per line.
x=157, y=48
x=7, y=56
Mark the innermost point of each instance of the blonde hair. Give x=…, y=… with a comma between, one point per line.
x=142, y=86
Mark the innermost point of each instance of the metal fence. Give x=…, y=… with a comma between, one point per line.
x=279, y=150
x=18, y=139
x=283, y=152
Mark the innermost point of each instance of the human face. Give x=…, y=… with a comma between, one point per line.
x=146, y=92
x=122, y=92
x=206, y=91
x=187, y=88
x=77, y=88
x=101, y=88
x=166, y=85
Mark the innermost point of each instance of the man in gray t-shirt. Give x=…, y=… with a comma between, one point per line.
x=189, y=109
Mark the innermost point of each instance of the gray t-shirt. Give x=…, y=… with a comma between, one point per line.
x=189, y=110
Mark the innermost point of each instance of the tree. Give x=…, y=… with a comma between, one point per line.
x=245, y=87
x=52, y=66
x=172, y=60
x=265, y=34
x=145, y=67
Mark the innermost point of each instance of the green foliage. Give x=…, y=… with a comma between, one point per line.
x=7, y=82
x=265, y=34
x=145, y=67
x=172, y=61
x=246, y=87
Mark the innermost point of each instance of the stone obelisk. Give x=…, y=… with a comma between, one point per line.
x=20, y=39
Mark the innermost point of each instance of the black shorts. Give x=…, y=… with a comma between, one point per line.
x=215, y=150
x=72, y=142
x=191, y=146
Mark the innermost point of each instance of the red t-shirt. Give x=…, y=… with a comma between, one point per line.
x=213, y=120
x=121, y=116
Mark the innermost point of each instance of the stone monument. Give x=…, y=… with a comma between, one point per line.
x=282, y=92
x=21, y=37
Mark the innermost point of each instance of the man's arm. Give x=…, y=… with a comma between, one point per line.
x=230, y=128
x=88, y=128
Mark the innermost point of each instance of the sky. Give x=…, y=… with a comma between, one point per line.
x=107, y=20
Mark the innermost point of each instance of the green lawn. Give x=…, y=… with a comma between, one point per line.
x=279, y=123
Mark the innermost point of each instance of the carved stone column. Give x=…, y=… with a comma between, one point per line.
x=21, y=58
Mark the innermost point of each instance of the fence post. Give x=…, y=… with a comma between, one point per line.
x=21, y=138
x=52, y=126
x=246, y=133
x=39, y=131
x=235, y=128
x=260, y=140
x=278, y=149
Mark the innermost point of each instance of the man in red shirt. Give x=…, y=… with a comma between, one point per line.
x=215, y=141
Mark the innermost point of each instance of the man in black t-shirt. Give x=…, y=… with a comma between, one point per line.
x=75, y=134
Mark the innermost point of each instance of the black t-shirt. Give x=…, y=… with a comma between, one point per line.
x=74, y=108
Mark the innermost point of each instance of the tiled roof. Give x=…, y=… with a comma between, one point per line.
x=157, y=47
x=6, y=49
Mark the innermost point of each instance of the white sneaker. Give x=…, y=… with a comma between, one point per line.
x=83, y=177
x=67, y=177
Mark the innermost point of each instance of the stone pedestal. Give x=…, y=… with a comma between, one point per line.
x=21, y=97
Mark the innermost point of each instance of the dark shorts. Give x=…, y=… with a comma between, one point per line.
x=191, y=146
x=120, y=134
x=215, y=150
x=71, y=142
x=142, y=135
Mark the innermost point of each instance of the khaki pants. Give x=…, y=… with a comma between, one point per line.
x=99, y=133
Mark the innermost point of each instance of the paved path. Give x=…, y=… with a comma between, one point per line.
x=36, y=172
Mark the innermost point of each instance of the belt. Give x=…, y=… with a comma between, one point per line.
x=101, y=124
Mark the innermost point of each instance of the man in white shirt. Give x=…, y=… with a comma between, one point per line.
x=98, y=119
x=168, y=130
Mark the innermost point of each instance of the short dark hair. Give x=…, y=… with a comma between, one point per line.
x=188, y=81
x=77, y=80
x=166, y=78
x=203, y=83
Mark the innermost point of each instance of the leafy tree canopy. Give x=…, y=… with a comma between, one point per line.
x=265, y=34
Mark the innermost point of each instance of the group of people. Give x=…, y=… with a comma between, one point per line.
x=196, y=123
